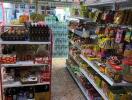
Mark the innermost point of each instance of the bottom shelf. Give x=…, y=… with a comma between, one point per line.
x=79, y=84
x=100, y=91
x=28, y=93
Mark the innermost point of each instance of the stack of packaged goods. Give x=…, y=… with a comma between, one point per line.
x=60, y=36
x=25, y=58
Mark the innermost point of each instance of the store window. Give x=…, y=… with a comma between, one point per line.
x=42, y=8
x=22, y=6
x=1, y=14
x=32, y=7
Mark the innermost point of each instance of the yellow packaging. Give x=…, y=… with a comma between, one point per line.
x=42, y=96
x=105, y=88
x=117, y=96
x=98, y=81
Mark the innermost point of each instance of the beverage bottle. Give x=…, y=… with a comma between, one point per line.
x=21, y=95
x=30, y=94
x=14, y=94
x=8, y=95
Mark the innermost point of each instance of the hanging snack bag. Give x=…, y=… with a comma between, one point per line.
x=128, y=36
x=119, y=36
x=118, y=18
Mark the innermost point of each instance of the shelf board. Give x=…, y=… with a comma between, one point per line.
x=22, y=63
x=101, y=4
x=74, y=59
x=22, y=42
x=91, y=81
x=108, y=3
x=105, y=77
x=77, y=18
x=122, y=4
x=72, y=30
x=79, y=84
x=42, y=2
x=19, y=84
x=75, y=45
x=14, y=25
x=94, y=85
x=80, y=33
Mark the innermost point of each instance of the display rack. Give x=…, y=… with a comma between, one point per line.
x=24, y=64
x=109, y=80
x=70, y=56
x=91, y=64
x=89, y=79
x=76, y=45
x=78, y=83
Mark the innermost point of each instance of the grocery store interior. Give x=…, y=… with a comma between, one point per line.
x=65, y=49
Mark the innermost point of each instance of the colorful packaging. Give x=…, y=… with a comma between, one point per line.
x=128, y=36
x=119, y=36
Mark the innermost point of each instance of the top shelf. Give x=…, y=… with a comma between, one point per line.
x=14, y=25
x=40, y=2
x=123, y=3
x=77, y=18
x=22, y=42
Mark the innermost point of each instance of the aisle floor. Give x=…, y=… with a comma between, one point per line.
x=63, y=86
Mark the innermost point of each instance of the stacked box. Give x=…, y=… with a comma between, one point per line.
x=60, y=36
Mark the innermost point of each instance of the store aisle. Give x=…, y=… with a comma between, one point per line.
x=63, y=86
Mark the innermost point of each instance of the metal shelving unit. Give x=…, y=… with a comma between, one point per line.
x=90, y=80
x=109, y=80
x=94, y=85
x=124, y=4
x=79, y=84
x=22, y=64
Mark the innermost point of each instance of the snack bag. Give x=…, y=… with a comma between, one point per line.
x=128, y=36
x=119, y=36
x=118, y=18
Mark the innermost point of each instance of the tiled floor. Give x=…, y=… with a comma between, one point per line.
x=63, y=86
